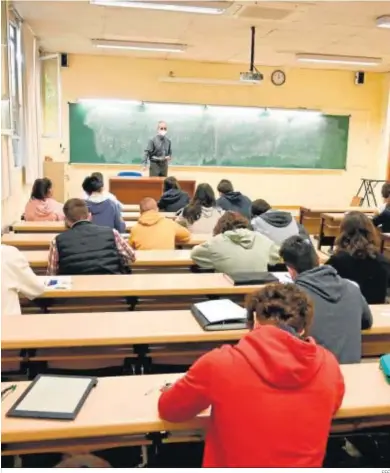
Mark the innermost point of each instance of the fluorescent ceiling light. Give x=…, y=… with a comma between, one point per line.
x=139, y=46
x=109, y=101
x=204, y=81
x=185, y=7
x=383, y=21
x=329, y=59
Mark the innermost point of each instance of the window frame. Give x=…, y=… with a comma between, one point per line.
x=15, y=72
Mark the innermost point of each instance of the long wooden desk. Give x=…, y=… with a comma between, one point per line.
x=145, y=258
x=131, y=190
x=130, y=207
x=49, y=227
x=42, y=240
x=310, y=217
x=146, y=328
x=134, y=216
x=121, y=407
x=138, y=290
x=144, y=285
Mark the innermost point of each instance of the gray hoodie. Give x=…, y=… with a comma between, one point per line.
x=340, y=312
x=277, y=226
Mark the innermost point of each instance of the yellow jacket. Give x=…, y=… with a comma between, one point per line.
x=153, y=231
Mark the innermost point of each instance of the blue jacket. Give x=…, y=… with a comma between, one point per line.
x=106, y=213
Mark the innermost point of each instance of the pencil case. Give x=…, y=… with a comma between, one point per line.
x=384, y=363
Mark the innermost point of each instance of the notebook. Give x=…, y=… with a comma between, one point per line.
x=58, y=282
x=53, y=397
x=221, y=314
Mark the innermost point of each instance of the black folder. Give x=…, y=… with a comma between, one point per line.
x=244, y=279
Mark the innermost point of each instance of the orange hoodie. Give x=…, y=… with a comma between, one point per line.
x=156, y=232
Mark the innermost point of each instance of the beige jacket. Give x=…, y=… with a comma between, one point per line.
x=206, y=223
x=16, y=278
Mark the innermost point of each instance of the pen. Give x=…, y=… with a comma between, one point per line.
x=8, y=390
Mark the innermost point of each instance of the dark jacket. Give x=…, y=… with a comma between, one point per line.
x=157, y=149
x=383, y=220
x=278, y=226
x=340, y=312
x=106, y=213
x=88, y=249
x=371, y=274
x=236, y=202
x=173, y=200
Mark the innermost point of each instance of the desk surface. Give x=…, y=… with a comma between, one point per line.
x=134, y=216
x=335, y=217
x=27, y=227
x=137, y=412
x=130, y=207
x=336, y=209
x=43, y=240
x=149, y=285
x=122, y=328
x=145, y=258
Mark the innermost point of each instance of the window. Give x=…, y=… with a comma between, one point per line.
x=15, y=89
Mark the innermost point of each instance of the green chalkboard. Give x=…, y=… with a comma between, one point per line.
x=117, y=133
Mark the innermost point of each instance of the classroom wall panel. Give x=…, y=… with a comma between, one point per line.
x=332, y=92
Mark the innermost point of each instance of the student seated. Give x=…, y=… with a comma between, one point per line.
x=234, y=201
x=274, y=224
x=42, y=207
x=383, y=219
x=201, y=214
x=273, y=395
x=104, y=210
x=16, y=278
x=109, y=195
x=87, y=248
x=357, y=257
x=235, y=247
x=153, y=231
x=173, y=198
x=340, y=310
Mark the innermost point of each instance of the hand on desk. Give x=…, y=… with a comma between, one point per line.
x=168, y=158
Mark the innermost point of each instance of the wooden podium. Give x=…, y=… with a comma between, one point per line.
x=131, y=190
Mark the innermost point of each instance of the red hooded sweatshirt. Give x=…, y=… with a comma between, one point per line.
x=273, y=396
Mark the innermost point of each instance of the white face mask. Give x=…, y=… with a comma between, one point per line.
x=162, y=132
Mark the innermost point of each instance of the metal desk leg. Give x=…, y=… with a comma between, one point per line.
x=321, y=235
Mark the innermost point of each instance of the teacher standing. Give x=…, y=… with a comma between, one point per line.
x=158, y=152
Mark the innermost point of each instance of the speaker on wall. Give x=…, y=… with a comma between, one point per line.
x=359, y=78
x=64, y=60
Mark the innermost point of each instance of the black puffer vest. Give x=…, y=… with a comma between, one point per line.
x=88, y=249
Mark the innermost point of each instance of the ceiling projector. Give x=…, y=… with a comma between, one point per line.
x=254, y=76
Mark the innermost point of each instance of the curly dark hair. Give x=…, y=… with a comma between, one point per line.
x=281, y=304
x=231, y=221
x=358, y=236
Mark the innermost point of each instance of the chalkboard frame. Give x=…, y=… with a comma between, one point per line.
x=225, y=109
